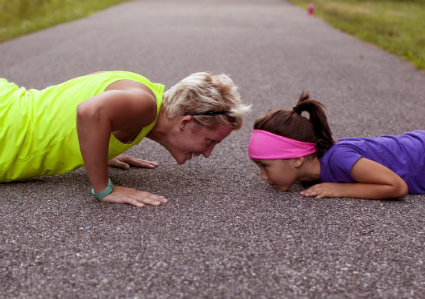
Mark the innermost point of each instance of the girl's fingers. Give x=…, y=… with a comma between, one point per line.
x=313, y=191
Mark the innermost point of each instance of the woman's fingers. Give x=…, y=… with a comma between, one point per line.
x=149, y=199
x=142, y=163
x=125, y=162
x=118, y=164
x=133, y=197
x=138, y=204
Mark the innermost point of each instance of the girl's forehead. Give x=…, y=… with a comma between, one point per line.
x=272, y=162
x=263, y=161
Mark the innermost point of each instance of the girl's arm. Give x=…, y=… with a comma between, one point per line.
x=97, y=118
x=374, y=181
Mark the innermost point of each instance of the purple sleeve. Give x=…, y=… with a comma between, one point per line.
x=341, y=162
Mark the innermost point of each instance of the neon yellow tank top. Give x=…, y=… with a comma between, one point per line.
x=38, y=128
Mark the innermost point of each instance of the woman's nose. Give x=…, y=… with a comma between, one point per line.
x=208, y=151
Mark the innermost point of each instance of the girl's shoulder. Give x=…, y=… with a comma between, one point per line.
x=417, y=134
x=377, y=148
x=337, y=162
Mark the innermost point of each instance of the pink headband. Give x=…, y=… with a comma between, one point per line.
x=269, y=146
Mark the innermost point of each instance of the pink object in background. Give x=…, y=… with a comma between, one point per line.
x=311, y=9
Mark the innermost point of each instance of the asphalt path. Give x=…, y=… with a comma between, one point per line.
x=224, y=232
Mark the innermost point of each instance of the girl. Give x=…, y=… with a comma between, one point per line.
x=289, y=147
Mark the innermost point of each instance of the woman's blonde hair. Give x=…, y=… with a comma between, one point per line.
x=200, y=93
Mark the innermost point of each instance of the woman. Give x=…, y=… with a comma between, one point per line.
x=91, y=119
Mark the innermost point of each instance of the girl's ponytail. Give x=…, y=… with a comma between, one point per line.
x=319, y=121
x=291, y=123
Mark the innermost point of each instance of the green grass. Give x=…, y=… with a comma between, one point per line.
x=19, y=17
x=397, y=26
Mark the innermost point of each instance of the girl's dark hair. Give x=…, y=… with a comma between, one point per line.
x=291, y=124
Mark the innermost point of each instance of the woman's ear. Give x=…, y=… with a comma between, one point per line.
x=183, y=121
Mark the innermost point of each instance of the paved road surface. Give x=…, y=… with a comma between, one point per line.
x=224, y=233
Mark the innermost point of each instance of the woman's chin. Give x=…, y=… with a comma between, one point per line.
x=182, y=160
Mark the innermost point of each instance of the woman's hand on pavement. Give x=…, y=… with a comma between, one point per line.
x=133, y=197
x=125, y=162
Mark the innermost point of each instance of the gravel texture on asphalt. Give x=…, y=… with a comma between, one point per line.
x=224, y=232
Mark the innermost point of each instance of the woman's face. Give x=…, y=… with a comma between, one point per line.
x=194, y=140
x=281, y=174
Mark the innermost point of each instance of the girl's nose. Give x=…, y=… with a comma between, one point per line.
x=263, y=175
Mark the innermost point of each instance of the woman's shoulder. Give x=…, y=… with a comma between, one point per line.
x=125, y=80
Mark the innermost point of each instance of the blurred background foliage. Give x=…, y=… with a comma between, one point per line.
x=397, y=26
x=19, y=17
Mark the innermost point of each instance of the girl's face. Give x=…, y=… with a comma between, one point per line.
x=281, y=174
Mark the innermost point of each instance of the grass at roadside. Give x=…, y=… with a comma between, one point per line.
x=19, y=17
x=397, y=26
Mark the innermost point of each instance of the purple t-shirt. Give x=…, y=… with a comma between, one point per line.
x=405, y=155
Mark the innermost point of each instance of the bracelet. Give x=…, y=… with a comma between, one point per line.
x=105, y=192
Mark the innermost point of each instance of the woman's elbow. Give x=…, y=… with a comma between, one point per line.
x=85, y=112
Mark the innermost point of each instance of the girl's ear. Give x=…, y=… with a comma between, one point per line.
x=298, y=162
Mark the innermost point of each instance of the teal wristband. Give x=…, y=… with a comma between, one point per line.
x=105, y=192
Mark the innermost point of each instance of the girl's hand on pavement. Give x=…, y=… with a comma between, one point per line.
x=133, y=197
x=125, y=162
x=325, y=190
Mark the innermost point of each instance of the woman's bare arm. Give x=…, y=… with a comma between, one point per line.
x=99, y=116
